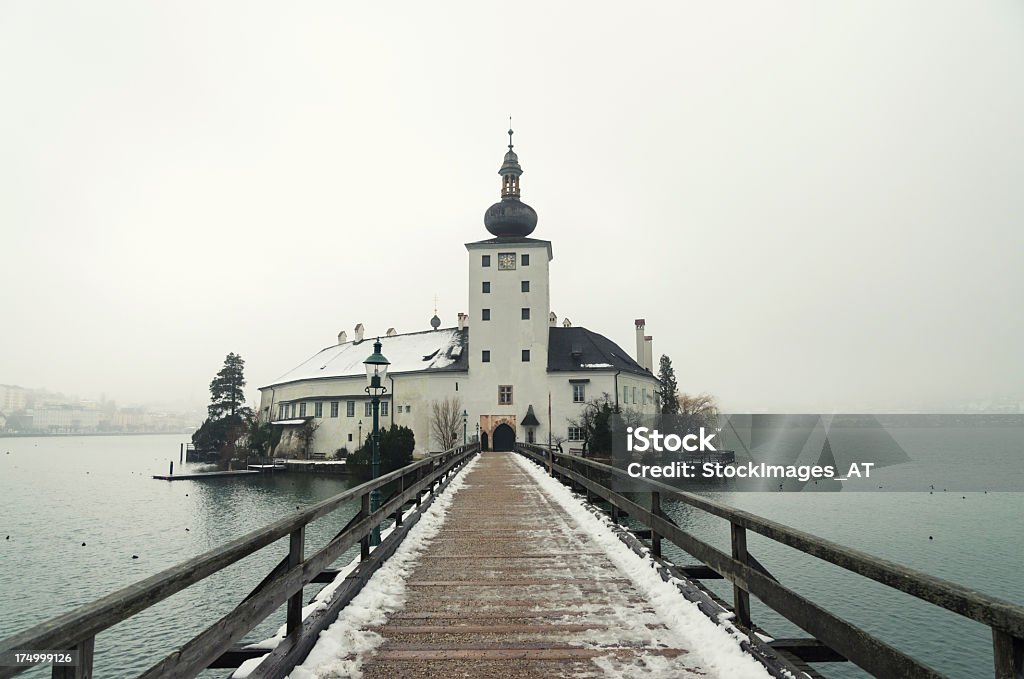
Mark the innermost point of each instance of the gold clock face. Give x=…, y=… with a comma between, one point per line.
x=506, y=260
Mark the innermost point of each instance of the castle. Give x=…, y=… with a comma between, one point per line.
x=516, y=373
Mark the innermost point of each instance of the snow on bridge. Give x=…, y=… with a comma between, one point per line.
x=507, y=574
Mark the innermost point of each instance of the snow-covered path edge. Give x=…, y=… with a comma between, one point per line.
x=714, y=648
x=341, y=648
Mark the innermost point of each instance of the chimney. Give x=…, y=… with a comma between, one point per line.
x=359, y=332
x=649, y=353
x=640, y=323
x=391, y=332
x=462, y=321
x=342, y=337
x=552, y=319
x=566, y=323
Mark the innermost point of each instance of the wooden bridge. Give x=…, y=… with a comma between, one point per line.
x=512, y=583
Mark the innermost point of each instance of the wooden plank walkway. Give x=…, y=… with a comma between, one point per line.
x=511, y=588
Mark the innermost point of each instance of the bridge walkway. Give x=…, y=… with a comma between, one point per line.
x=512, y=587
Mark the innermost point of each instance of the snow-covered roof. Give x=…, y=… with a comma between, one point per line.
x=433, y=350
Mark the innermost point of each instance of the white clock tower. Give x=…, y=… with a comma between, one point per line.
x=509, y=307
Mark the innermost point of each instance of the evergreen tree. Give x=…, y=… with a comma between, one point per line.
x=669, y=387
x=226, y=396
x=396, y=446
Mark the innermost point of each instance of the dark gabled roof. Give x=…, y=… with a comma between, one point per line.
x=575, y=349
x=531, y=419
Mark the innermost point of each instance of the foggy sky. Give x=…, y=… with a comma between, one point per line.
x=816, y=206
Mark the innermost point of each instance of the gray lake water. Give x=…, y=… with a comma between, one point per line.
x=59, y=492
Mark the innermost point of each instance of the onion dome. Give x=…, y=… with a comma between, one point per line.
x=510, y=217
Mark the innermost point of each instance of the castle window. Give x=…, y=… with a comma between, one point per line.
x=579, y=393
x=505, y=395
x=485, y=260
x=486, y=287
x=281, y=410
x=625, y=394
x=526, y=260
x=634, y=394
x=575, y=434
x=350, y=437
x=368, y=409
x=485, y=356
x=334, y=408
x=350, y=408
x=526, y=313
x=525, y=286
x=526, y=355
x=485, y=314
x=318, y=409
x=302, y=409
x=383, y=408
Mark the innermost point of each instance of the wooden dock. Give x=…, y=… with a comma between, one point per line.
x=203, y=475
x=511, y=587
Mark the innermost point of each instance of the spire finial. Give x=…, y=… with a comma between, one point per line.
x=510, y=133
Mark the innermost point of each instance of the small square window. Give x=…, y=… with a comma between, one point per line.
x=526, y=260
x=350, y=437
x=485, y=356
x=526, y=313
x=505, y=395
x=485, y=260
x=526, y=355
x=485, y=314
x=487, y=286
x=525, y=286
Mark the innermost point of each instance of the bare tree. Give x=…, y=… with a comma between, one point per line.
x=698, y=411
x=306, y=433
x=446, y=421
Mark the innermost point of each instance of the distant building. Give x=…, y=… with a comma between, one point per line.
x=13, y=398
x=502, y=361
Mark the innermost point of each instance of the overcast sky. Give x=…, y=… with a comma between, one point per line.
x=816, y=206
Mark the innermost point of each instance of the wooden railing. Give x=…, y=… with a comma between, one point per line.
x=833, y=637
x=77, y=630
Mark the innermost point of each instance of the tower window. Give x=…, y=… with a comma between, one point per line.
x=485, y=314
x=485, y=260
x=526, y=313
x=526, y=260
x=487, y=286
x=505, y=395
x=525, y=286
x=526, y=355
x=485, y=356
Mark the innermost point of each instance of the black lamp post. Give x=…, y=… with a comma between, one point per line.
x=465, y=416
x=376, y=370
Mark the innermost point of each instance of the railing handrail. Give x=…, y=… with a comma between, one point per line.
x=949, y=595
x=87, y=620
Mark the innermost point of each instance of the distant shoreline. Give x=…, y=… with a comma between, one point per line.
x=27, y=435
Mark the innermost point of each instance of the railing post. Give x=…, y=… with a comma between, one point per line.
x=1008, y=653
x=364, y=542
x=398, y=512
x=656, y=511
x=83, y=670
x=296, y=553
x=741, y=598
